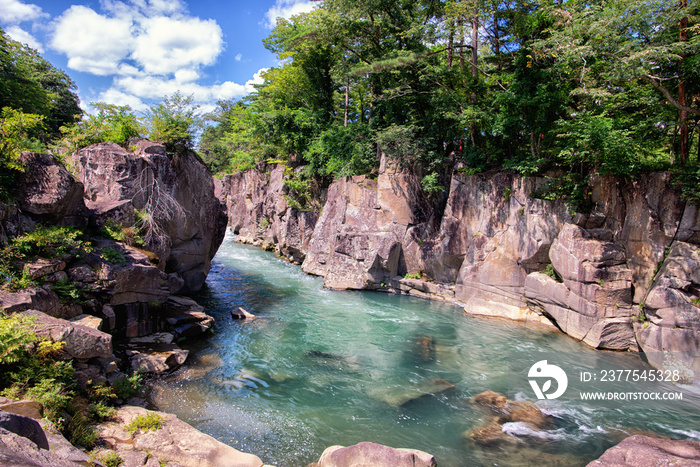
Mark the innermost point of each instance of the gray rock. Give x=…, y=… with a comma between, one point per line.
x=643, y=451
x=47, y=191
x=25, y=408
x=375, y=455
x=81, y=342
x=43, y=267
x=193, y=220
x=176, y=442
x=159, y=359
x=25, y=427
x=17, y=451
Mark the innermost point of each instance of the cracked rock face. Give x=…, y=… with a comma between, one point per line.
x=176, y=189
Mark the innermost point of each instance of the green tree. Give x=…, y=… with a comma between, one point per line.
x=112, y=123
x=176, y=121
x=31, y=84
x=15, y=130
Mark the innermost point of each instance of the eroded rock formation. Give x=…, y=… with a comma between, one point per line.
x=175, y=190
x=626, y=271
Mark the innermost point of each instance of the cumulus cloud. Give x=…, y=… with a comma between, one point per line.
x=14, y=11
x=117, y=97
x=150, y=48
x=156, y=87
x=286, y=9
x=20, y=35
x=166, y=45
x=93, y=43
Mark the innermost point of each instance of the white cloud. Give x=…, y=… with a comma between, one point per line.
x=150, y=48
x=93, y=43
x=166, y=45
x=116, y=97
x=286, y=9
x=14, y=11
x=20, y=35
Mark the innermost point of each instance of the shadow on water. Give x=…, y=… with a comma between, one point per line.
x=321, y=367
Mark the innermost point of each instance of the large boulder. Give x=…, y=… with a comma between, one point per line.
x=25, y=427
x=48, y=193
x=643, y=451
x=187, y=221
x=80, y=342
x=175, y=442
x=17, y=451
x=376, y=455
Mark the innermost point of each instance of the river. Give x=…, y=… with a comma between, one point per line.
x=320, y=368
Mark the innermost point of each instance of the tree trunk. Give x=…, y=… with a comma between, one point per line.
x=450, y=44
x=683, y=114
x=475, y=70
x=347, y=101
x=496, y=41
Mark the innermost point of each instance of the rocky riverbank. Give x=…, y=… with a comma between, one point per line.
x=623, y=276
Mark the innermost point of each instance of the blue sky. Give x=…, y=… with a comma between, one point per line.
x=134, y=52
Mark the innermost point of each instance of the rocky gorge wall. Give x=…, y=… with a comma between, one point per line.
x=627, y=273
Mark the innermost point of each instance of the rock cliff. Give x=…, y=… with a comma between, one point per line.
x=622, y=276
x=185, y=220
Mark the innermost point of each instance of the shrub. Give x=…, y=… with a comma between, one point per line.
x=112, y=123
x=127, y=386
x=119, y=233
x=33, y=368
x=111, y=459
x=51, y=242
x=114, y=255
x=175, y=121
x=148, y=422
x=15, y=127
x=68, y=291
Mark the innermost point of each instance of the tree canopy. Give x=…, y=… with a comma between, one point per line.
x=528, y=85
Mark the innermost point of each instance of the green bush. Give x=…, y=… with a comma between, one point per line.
x=51, y=242
x=114, y=255
x=119, y=233
x=175, y=121
x=148, y=422
x=68, y=291
x=111, y=459
x=30, y=367
x=15, y=128
x=342, y=151
x=113, y=123
x=127, y=386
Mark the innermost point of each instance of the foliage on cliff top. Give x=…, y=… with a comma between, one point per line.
x=16, y=128
x=30, y=84
x=578, y=87
x=46, y=242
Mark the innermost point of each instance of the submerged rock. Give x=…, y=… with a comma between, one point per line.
x=375, y=455
x=525, y=414
x=399, y=397
x=240, y=313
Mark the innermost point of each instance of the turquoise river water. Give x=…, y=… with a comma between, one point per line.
x=321, y=367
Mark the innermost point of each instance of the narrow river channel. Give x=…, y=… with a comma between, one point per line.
x=321, y=367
